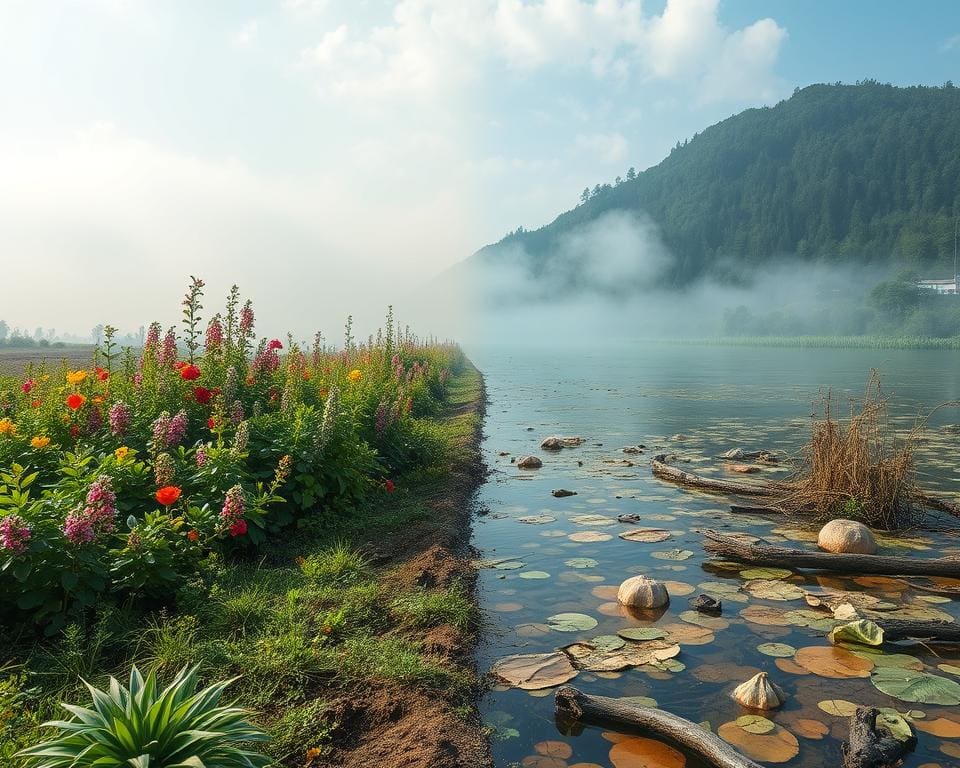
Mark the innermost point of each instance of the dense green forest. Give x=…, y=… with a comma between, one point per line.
x=837, y=174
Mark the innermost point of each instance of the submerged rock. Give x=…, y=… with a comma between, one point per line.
x=529, y=462
x=556, y=443
x=707, y=604
x=562, y=492
x=743, y=469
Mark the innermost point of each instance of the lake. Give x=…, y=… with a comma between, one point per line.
x=694, y=402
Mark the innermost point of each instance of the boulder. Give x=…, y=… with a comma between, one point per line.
x=847, y=536
x=529, y=462
x=556, y=443
x=643, y=592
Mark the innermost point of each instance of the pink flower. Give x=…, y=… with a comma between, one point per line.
x=78, y=529
x=234, y=508
x=201, y=456
x=246, y=320
x=214, y=336
x=238, y=528
x=119, y=418
x=389, y=486
x=27, y=386
x=168, y=353
x=275, y=344
x=14, y=534
x=177, y=429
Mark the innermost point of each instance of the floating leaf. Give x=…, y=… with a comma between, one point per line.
x=949, y=668
x=688, y=634
x=765, y=573
x=501, y=563
x=537, y=519
x=908, y=685
x=639, y=701
x=703, y=620
x=765, y=615
x=673, y=554
x=777, y=650
x=593, y=520
x=898, y=660
x=791, y=667
x=542, y=761
x=638, y=752
x=838, y=707
x=607, y=643
x=833, y=662
x=679, y=588
x=554, y=749
x=589, y=536
x=776, y=746
x=581, y=562
x=811, y=729
x=945, y=729
x=632, y=655
x=641, y=634
x=645, y=535
x=862, y=632
x=769, y=589
x=755, y=724
x=534, y=671
x=571, y=622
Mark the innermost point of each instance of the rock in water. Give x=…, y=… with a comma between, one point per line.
x=529, y=462
x=562, y=492
x=847, y=536
x=706, y=604
x=642, y=592
x=557, y=443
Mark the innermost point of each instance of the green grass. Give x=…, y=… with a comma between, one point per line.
x=313, y=617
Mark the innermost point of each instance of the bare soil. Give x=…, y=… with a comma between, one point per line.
x=395, y=726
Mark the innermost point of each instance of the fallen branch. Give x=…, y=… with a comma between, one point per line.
x=869, y=747
x=573, y=705
x=936, y=631
x=672, y=474
x=937, y=502
x=730, y=548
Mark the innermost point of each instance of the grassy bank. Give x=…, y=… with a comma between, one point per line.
x=337, y=632
x=826, y=342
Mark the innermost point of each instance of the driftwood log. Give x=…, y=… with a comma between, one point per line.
x=731, y=548
x=937, y=631
x=870, y=747
x=665, y=472
x=573, y=705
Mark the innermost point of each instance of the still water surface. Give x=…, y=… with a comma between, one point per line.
x=719, y=398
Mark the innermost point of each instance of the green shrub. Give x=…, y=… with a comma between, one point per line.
x=141, y=726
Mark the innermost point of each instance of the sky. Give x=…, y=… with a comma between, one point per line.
x=332, y=156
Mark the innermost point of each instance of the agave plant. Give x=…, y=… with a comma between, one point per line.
x=143, y=727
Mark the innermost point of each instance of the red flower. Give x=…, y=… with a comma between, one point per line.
x=102, y=374
x=193, y=535
x=180, y=364
x=249, y=381
x=76, y=401
x=74, y=431
x=211, y=423
x=34, y=403
x=27, y=386
x=168, y=495
x=275, y=344
x=189, y=372
x=390, y=487
x=238, y=528
x=203, y=395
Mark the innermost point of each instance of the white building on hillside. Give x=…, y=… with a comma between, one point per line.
x=948, y=286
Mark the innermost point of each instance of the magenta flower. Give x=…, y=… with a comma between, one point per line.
x=234, y=508
x=214, y=336
x=246, y=320
x=14, y=534
x=177, y=429
x=78, y=529
x=120, y=417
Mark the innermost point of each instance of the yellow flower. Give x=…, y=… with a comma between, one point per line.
x=76, y=377
x=313, y=753
x=122, y=452
x=355, y=375
x=40, y=441
x=7, y=427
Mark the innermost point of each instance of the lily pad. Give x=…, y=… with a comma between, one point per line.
x=534, y=671
x=894, y=723
x=589, y=536
x=775, y=746
x=581, y=562
x=771, y=589
x=607, y=643
x=537, y=519
x=571, y=622
x=777, y=650
x=755, y=724
x=673, y=554
x=640, y=752
x=920, y=687
x=765, y=573
x=862, y=632
x=833, y=662
x=645, y=535
x=592, y=520
x=534, y=575
x=838, y=707
x=941, y=727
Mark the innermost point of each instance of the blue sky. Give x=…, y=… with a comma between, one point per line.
x=335, y=153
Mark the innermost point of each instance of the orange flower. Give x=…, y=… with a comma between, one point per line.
x=355, y=375
x=7, y=427
x=97, y=399
x=193, y=534
x=168, y=495
x=76, y=377
x=76, y=401
x=40, y=441
x=34, y=403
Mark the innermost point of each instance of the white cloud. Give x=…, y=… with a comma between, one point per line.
x=608, y=148
x=435, y=46
x=950, y=43
x=248, y=33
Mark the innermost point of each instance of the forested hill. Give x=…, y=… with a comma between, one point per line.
x=865, y=172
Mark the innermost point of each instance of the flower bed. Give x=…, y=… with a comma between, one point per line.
x=128, y=477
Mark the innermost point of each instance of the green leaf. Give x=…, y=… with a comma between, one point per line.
x=861, y=631
x=909, y=685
